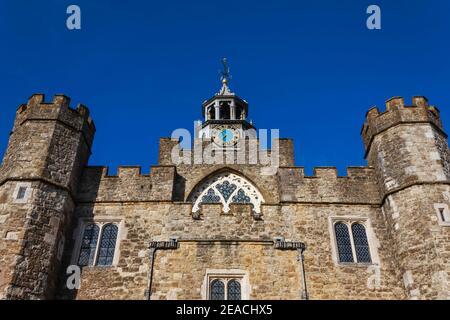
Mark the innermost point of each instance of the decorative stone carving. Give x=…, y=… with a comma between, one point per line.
x=227, y=188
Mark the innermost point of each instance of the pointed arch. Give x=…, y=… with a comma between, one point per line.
x=226, y=187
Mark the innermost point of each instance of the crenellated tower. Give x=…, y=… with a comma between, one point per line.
x=408, y=148
x=48, y=149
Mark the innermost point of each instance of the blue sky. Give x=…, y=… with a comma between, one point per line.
x=310, y=68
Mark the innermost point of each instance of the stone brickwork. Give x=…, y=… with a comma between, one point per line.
x=47, y=151
x=408, y=149
x=395, y=198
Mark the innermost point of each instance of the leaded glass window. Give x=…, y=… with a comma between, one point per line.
x=344, y=245
x=211, y=197
x=234, y=290
x=226, y=189
x=361, y=244
x=88, y=245
x=217, y=290
x=107, y=245
x=241, y=197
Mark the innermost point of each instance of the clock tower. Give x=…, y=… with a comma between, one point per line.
x=225, y=116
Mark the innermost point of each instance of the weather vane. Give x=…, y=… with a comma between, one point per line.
x=225, y=74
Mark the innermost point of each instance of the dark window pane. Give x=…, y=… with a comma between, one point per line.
x=241, y=197
x=343, y=242
x=234, y=290
x=210, y=197
x=107, y=245
x=361, y=243
x=21, y=193
x=88, y=245
x=226, y=189
x=217, y=290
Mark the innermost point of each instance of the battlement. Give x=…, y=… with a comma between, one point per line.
x=396, y=113
x=59, y=110
x=128, y=185
x=329, y=173
x=325, y=185
x=250, y=154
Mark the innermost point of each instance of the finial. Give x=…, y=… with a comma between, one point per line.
x=225, y=73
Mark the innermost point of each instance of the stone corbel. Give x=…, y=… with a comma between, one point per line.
x=257, y=215
x=196, y=215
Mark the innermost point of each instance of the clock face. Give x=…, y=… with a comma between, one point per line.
x=225, y=136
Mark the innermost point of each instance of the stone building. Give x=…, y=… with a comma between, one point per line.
x=224, y=229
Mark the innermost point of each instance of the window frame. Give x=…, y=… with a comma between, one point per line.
x=371, y=240
x=226, y=275
x=225, y=281
x=99, y=244
x=101, y=222
x=446, y=213
x=27, y=193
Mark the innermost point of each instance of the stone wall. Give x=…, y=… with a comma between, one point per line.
x=47, y=151
x=235, y=241
x=395, y=198
x=409, y=151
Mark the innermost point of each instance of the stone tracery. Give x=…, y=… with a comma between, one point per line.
x=227, y=188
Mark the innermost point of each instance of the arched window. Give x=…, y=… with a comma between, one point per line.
x=361, y=244
x=344, y=245
x=224, y=110
x=107, y=245
x=234, y=290
x=217, y=290
x=211, y=113
x=88, y=245
x=226, y=188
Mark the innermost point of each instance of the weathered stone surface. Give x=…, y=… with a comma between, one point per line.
x=395, y=196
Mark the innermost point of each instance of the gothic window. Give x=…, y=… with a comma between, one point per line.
x=225, y=289
x=97, y=245
x=226, y=188
x=211, y=197
x=107, y=245
x=361, y=244
x=351, y=242
x=88, y=245
x=217, y=290
x=344, y=245
x=234, y=290
x=241, y=197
